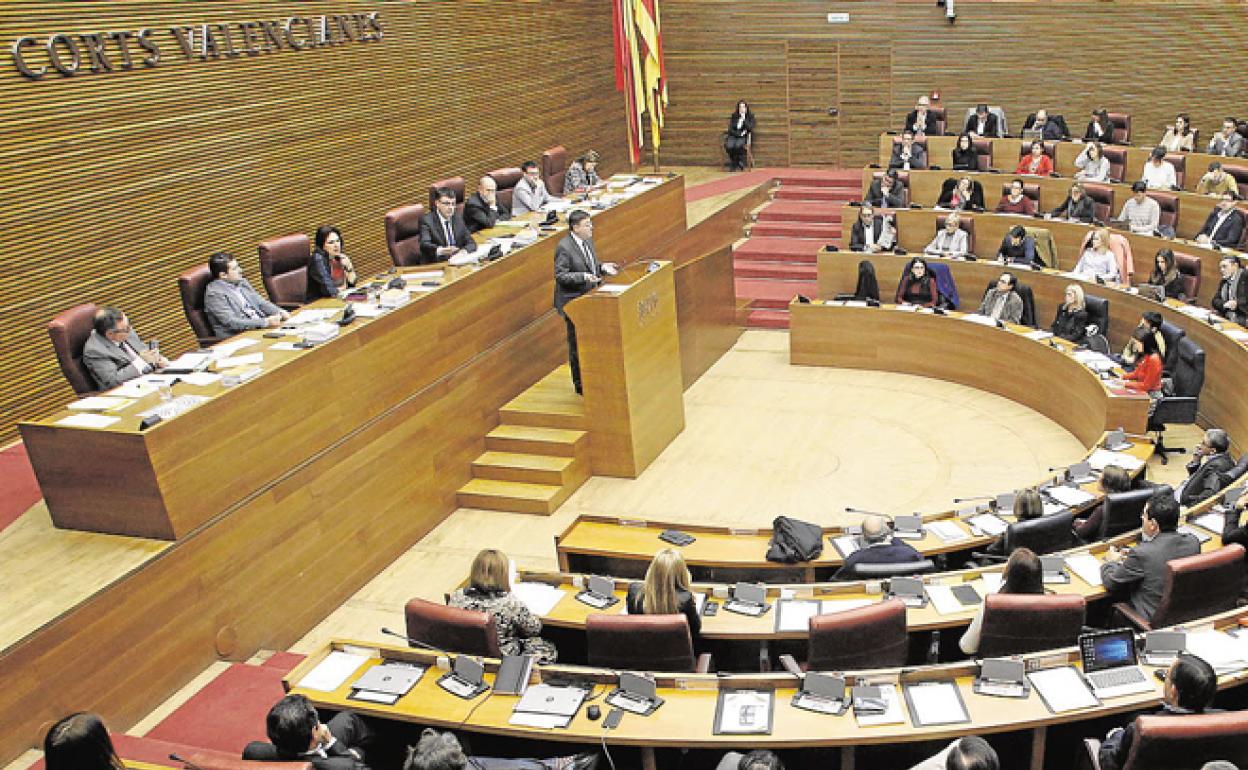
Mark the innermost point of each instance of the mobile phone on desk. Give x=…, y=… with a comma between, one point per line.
x=613, y=719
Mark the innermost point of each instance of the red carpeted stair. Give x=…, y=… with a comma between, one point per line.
x=778, y=260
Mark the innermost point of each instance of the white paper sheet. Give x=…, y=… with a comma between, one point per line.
x=538, y=597
x=200, y=379
x=329, y=674
x=846, y=544
x=1063, y=689
x=614, y=288
x=795, y=615
x=1220, y=650
x=894, y=714
x=87, y=420
x=992, y=582
x=138, y=388
x=1214, y=522
x=943, y=600
x=198, y=360
x=982, y=320
x=367, y=310
x=1038, y=335
x=99, y=404
x=539, y=721
x=311, y=316
x=1102, y=457
x=988, y=523
x=249, y=359
x=1087, y=567
x=947, y=531
x=227, y=349
x=1071, y=497
x=936, y=703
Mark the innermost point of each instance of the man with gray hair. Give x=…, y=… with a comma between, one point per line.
x=877, y=548
x=114, y=353
x=1207, y=471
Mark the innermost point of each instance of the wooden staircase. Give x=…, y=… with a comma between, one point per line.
x=537, y=456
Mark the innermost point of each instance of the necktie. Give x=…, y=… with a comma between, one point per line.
x=589, y=257
x=450, y=241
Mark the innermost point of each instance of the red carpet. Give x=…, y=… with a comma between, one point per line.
x=18, y=480
x=228, y=713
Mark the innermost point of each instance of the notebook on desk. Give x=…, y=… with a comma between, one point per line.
x=1110, y=664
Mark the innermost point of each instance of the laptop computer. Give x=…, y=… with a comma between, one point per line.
x=465, y=679
x=1110, y=665
x=748, y=599
x=1161, y=648
x=1053, y=570
x=599, y=593
x=908, y=527
x=636, y=694
x=910, y=590
x=822, y=693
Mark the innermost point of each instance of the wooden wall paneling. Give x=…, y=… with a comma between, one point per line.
x=812, y=71
x=865, y=93
x=115, y=182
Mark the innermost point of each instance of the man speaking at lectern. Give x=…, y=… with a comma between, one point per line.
x=577, y=271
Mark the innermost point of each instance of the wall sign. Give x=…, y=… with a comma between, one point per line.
x=76, y=53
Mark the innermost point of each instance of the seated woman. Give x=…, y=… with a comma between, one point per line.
x=963, y=194
x=1019, y=248
x=1071, y=321
x=1015, y=201
x=1098, y=261
x=80, y=742
x=1146, y=376
x=951, y=241
x=665, y=590
x=1179, y=137
x=582, y=173
x=329, y=269
x=737, y=137
x=489, y=590
x=964, y=156
x=1092, y=164
x=868, y=288
x=1100, y=129
x=1023, y=575
x=1113, y=479
x=1077, y=206
x=918, y=286
x=1028, y=505
x=1158, y=174
x=1035, y=162
x=1166, y=275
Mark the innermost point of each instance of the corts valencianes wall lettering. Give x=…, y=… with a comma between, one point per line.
x=68, y=54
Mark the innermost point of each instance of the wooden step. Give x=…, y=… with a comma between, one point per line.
x=514, y=496
x=528, y=439
x=544, y=413
x=530, y=468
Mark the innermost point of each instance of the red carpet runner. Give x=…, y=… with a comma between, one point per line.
x=18, y=480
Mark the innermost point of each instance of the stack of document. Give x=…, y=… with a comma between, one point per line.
x=988, y=523
x=893, y=714
x=992, y=581
x=227, y=349
x=249, y=359
x=1038, y=335
x=1103, y=457
x=311, y=316
x=540, y=598
x=1087, y=567
x=331, y=673
x=794, y=615
x=946, y=530
x=1199, y=313
x=1071, y=497
x=1224, y=652
x=99, y=404
x=1063, y=689
x=982, y=320
x=1097, y=362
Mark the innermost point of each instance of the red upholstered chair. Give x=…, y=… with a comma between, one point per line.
x=554, y=168
x=1031, y=190
x=1189, y=268
x=939, y=114
x=1117, y=157
x=966, y=223
x=191, y=286
x=1168, y=202
x=506, y=179
x=455, y=183
x=866, y=637
x=69, y=331
x=403, y=234
x=453, y=629
x=284, y=268
x=1180, y=742
x=1196, y=586
x=1179, y=161
x=1240, y=173
x=1121, y=121
x=1102, y=196
x=1020, y=623
x=983, y=153
x=643, y=643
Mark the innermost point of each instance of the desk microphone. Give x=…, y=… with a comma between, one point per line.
x=867, y=513
x=185, y=762
x=417, y=642
x=976, y=497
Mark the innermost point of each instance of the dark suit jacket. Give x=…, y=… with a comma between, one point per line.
x=687, y=605
x=1206, y=478
x=1083, y=210
x=433, y=236
x=926, y=126
x=479, y=216
x=1054, y=127
x=109, y=365
x=892, y=200
x=889, y=552
x=350, y=734
x=1230, y=231
x=571, y=268
x=320, y=276
x=1117, y=745
x=1240, y=294
x=1142, y=573
x=918, y=156
x=857, y=234
x=990, y=125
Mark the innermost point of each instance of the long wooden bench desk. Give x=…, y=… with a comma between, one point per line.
x=686, y=719
x=166, y=481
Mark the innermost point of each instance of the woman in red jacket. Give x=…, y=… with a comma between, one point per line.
x=1036, y=162
x=1146, y=376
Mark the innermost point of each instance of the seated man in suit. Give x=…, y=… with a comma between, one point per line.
x=442, y=751
x=887, y=191
x=577, y=271
x=530, y=193
x=1141, y=571
x=1050, y=130
x=114, y=353
x=483, y=209
x=1002, y=301
x=983, y=123
x=1231, y=299
x=1227, y=142
x=877, y=548
x=920, y=120
x=908, y=155
x=1211, y=461
x=230, y=303
x=297, y=735
x=1190, y=686
x=443, y=234
x=1224, y=225
x=870, y=233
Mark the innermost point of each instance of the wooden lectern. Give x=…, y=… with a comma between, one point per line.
x=630, y=368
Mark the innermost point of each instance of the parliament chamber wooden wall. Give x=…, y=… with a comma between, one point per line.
x=112, y=183
x=1152, y=59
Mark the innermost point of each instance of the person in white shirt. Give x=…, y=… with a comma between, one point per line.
x=530, y=193
x=1158, y=174
x=1141, y=213
x=951, y=241
x=1098, y=261
x=1092, y=164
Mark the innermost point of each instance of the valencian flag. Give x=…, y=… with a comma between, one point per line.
x=639, y=71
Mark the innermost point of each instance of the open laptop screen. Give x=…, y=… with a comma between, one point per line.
x=1107, y=650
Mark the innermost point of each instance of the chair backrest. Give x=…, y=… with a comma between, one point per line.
x=983, y=153
x=1015, y=624
x=1121, y=121
x=1200, y=585
x=1171, y=334
x=1237, y=470
x=1045, y=248
x=554, y=169
x=1098, y=313
x=506, y=179
x=1165, y=742
x=403, y=234
x=1102, y=196
x=1120, y=512
x=1189, y=267
x=640, y=642
x=69, y=331
x=1179, y=161
x=995, y=110
x=1029, y=304
x=1043, y=535
x=872, y=571
x=1117, y=157
x=284, y=268
x=965, y=224
x=454, y=183
x=1168, y=202
x=939, y=115
x=452, y=629
x=191, y=286
x=1240, y=174
x=867, y=637
x=1189, y=369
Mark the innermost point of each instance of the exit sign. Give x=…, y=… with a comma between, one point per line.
x=838, y=18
